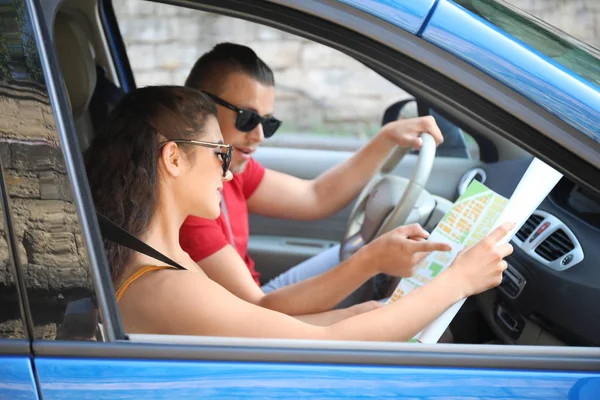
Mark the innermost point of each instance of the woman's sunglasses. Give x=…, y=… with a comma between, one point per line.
x=224, y=153
x=247, y=120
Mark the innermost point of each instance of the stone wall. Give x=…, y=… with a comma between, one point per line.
x=319, y=90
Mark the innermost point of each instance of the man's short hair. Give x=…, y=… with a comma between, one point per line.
x=212, y=69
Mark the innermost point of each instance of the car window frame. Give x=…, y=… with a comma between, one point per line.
x=82, y=198
x=204, y=348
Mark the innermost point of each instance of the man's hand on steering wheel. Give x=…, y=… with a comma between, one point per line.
x=398, y=251
x=372, y=213
x=406, y=132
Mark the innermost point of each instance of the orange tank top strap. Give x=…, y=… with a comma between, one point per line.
x=138, y=274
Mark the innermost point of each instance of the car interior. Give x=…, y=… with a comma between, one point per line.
x=549, y=294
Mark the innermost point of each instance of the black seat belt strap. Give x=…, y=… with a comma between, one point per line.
x=114, y=233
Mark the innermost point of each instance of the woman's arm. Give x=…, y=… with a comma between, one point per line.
x=192, y=304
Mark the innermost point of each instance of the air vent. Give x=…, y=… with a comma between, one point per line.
x=555, y=246
x=529, y=226
x=549, y=241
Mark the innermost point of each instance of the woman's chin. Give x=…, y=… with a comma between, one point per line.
x=210, y=212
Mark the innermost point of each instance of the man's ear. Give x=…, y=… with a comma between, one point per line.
x=171, y=158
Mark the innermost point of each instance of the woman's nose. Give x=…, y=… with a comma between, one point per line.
x=228, y=176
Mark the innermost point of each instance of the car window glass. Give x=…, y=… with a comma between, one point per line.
x=51, y=253
x=11, y=322
x=324, y=98
x=577, y=56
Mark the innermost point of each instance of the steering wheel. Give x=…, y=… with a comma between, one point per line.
x=387, y=200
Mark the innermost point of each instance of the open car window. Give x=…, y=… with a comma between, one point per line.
x=325, y=98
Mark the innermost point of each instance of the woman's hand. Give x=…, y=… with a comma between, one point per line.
x=480, y=267
x=398, y=252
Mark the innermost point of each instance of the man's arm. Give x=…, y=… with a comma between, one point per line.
x=393, y=253
x=312, y=296
x=229, y=270
x=331, y=317
x=283, y=196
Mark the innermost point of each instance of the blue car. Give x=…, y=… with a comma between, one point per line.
x=518, y=87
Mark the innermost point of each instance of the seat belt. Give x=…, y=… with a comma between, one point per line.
x=114, y=233
x=224, y=210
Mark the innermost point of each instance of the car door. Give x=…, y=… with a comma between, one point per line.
x=81, y=351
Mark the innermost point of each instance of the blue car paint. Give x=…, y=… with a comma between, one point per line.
x=520, y=67
x=409, y=15
x=16, y=378
x=147, y=379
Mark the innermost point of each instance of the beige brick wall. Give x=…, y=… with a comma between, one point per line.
x=318, y=89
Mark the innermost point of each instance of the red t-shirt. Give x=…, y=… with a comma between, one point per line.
x=201, y=237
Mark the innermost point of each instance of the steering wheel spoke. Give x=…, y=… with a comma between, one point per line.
x=351, y=246
x=374, y=200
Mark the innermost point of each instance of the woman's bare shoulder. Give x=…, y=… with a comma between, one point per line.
x=156, y=296
x=154, y=282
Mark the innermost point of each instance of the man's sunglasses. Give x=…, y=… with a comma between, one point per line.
x=247, y=120
x=224, y=153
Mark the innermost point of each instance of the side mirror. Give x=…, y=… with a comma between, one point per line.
x=406, y=108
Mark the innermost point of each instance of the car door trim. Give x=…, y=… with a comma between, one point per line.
x=14, y=347
x=333, y=352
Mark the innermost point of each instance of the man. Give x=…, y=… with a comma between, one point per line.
x=242, y=85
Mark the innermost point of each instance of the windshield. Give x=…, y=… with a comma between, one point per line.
x=573, y=54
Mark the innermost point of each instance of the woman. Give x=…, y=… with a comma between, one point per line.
x=162, y=159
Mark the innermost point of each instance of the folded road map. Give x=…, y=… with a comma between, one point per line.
x=476, y=213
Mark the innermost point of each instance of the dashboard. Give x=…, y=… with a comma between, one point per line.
x=551, y=288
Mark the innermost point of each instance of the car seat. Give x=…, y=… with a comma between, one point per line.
x=76, y=58
x=92, y=94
